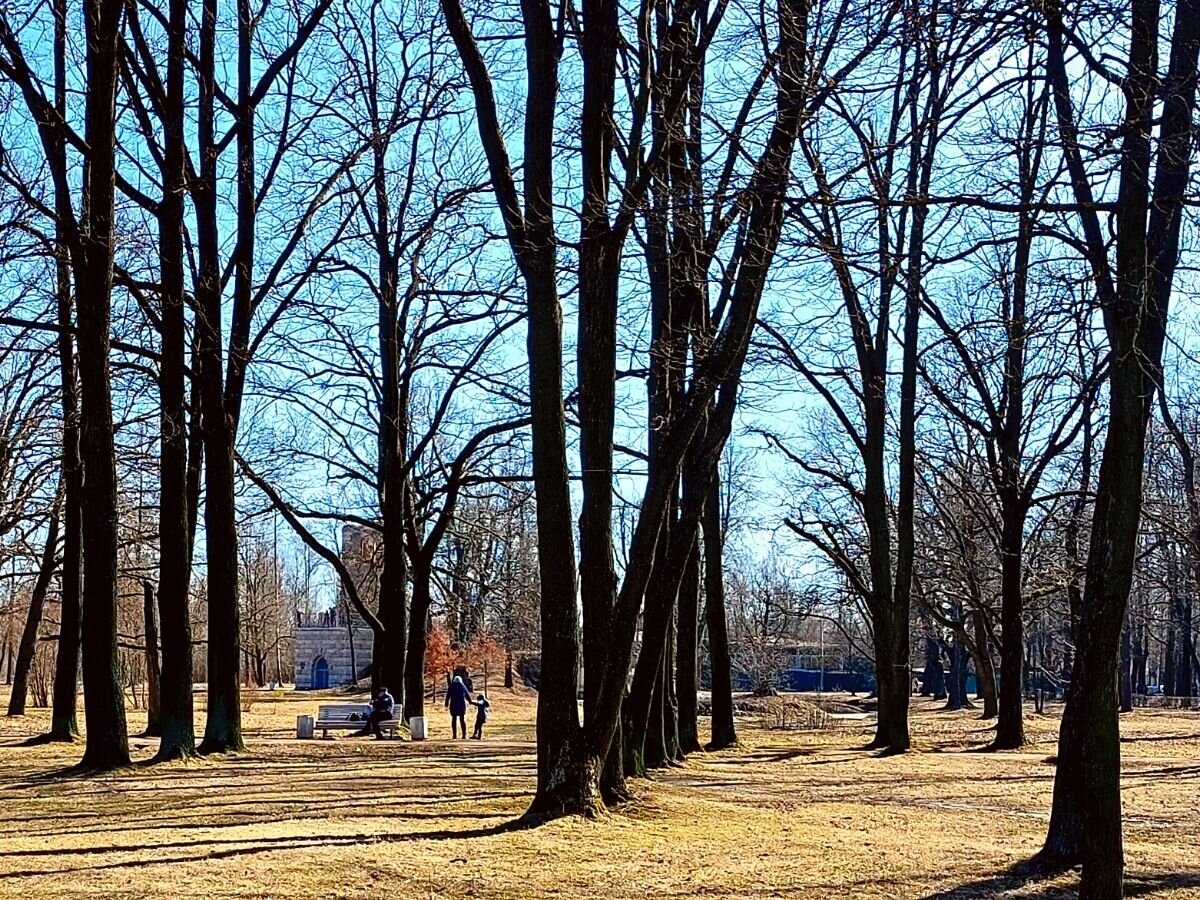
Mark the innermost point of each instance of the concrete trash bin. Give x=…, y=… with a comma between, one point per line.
x=304, y=727
x=416, y=728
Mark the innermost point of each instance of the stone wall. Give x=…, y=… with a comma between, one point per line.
x=332, y=645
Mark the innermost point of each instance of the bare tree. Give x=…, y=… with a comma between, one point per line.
x=1133, y=290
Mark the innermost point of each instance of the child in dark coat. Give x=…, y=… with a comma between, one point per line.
x=482, y=706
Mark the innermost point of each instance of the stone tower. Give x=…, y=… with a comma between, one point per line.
x=334, y=644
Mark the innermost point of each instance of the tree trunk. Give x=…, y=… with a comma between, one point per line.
x=567, y=781
x=33, y=620
x=107, y=739
x=63, y=723
x=724, y=734
x=934, y=683
x=223, y=722
x=985, y=671
x=642, y=710
x=956, y=682
x=1184, y=688
x=670, y=701
x=173, y=700
x=1125, y=671
x=418, y=631
x=655, y=752
x=893, y=682
x=388, y=661
x=687, y=661
x=1135, y=302
x=1010, y=726
x=153, y=695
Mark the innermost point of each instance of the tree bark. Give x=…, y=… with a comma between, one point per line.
x=175, y=725
x=389, y=667
x=687, y=662
x=1125, y=671
x=418, y=631
x=33, y=619
x=223, y=721
x=1135, y=301
x=107, y=739
x=1010, y=726
x=153, y=680
x=724, y=732
x=63, y=723
x=985, y=671
x=566, y=782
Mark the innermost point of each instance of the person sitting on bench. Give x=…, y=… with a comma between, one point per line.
x=381, y=710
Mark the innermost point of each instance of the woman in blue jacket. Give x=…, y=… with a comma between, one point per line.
x=457, y=698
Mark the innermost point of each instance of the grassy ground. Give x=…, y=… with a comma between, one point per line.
x=788, y=814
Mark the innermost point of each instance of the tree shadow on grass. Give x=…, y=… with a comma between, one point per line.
x=1025, y=877
x=483, y=765
x=253, y=846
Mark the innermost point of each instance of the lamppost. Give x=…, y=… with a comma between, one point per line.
x=821, y=686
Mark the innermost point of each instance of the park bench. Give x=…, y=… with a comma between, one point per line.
x=335, y=717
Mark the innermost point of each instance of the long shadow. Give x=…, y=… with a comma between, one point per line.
x=1165, y=771
x=1159, y=737
x=186, y=826
x=1030, y=872
x=769, y=756
x=255, y=846
x=67, y=774
x=1016, y=876
x=152, y=777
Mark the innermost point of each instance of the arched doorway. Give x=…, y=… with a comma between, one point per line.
x=320, y=674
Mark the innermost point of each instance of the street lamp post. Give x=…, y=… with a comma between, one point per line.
x=821, y=687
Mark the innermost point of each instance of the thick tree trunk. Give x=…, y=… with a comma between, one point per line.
x=153, y=694
x=985, y=671
x=389, y=666
x=655, y=753
x=724, y=733
x=956, y=680
x=107, y=739
x=599, y=271
x=893, y=683
x=1010, y=726
x=63, y=723
x=1135, y=301
x=933, y=684
x=418, y=631
x=670, y=701
x=175, y=724
x=33, y=619
x=1125, y=671
x=223, y=721
x=642, y=710
x=687, y=661
x=1184, y=684
x=389, y=660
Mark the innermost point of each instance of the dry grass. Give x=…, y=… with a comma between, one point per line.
x=789, y=814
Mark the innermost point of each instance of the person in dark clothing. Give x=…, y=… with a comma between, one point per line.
x=482, y=706
x=457, y=698
x=382, y=707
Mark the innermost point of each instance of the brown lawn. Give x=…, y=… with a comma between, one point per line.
x=789, y=814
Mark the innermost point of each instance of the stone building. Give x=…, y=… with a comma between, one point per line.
x=331, y=646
